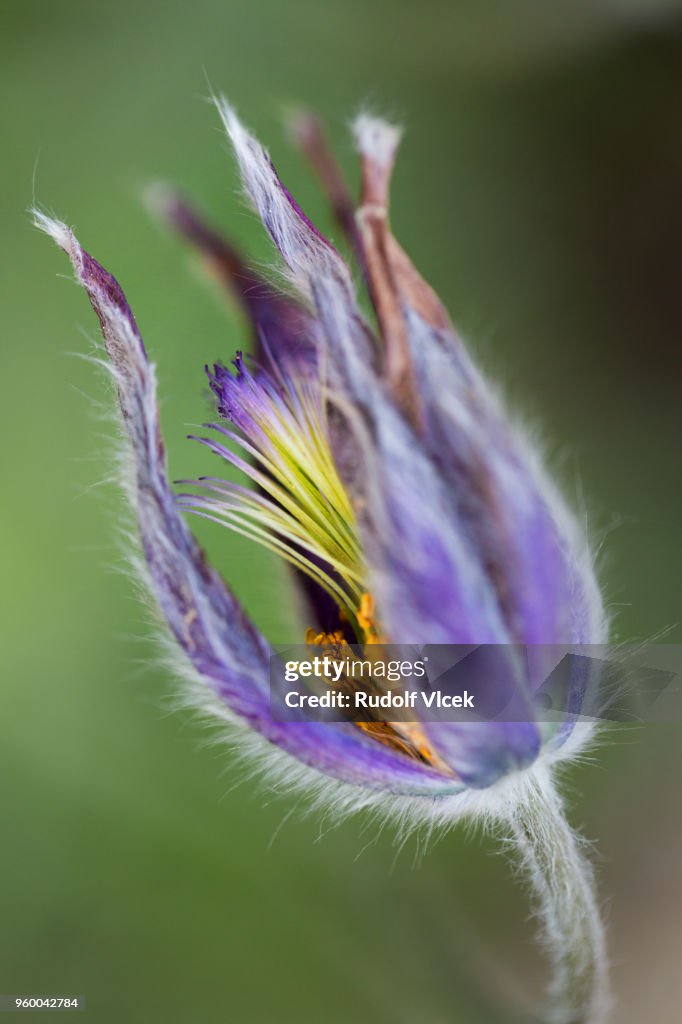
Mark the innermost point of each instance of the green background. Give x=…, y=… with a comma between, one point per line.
x=538, y=189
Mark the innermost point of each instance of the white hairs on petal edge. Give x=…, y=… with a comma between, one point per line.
x=306, y=253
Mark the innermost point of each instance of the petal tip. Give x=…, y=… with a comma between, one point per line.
x=376, y=139
x=56, y=229
x=160, y=199
x=238, y=134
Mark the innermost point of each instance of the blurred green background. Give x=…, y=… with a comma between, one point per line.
x=539, y=190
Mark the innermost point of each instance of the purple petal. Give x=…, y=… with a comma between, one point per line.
x=316, y=268
x=535, y=555
x=500, y=737
x=482, y=753
x=426, y=575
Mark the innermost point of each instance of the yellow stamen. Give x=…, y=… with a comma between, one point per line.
x=366, y=620
x=315, y=639
x=408, y=738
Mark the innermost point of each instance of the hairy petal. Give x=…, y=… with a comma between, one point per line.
x=481, y=752
x=377, y=143
x=536, y=556
x=225, y=650
x=381, y=140
x=315, y=267
x=204, y=617
x=301, y=245
x=426, y=576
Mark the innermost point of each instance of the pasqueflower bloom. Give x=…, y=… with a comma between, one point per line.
x=386, y=472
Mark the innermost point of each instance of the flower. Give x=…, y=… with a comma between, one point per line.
x=386, y=473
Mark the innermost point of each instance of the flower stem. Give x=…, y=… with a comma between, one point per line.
x=563, y=883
